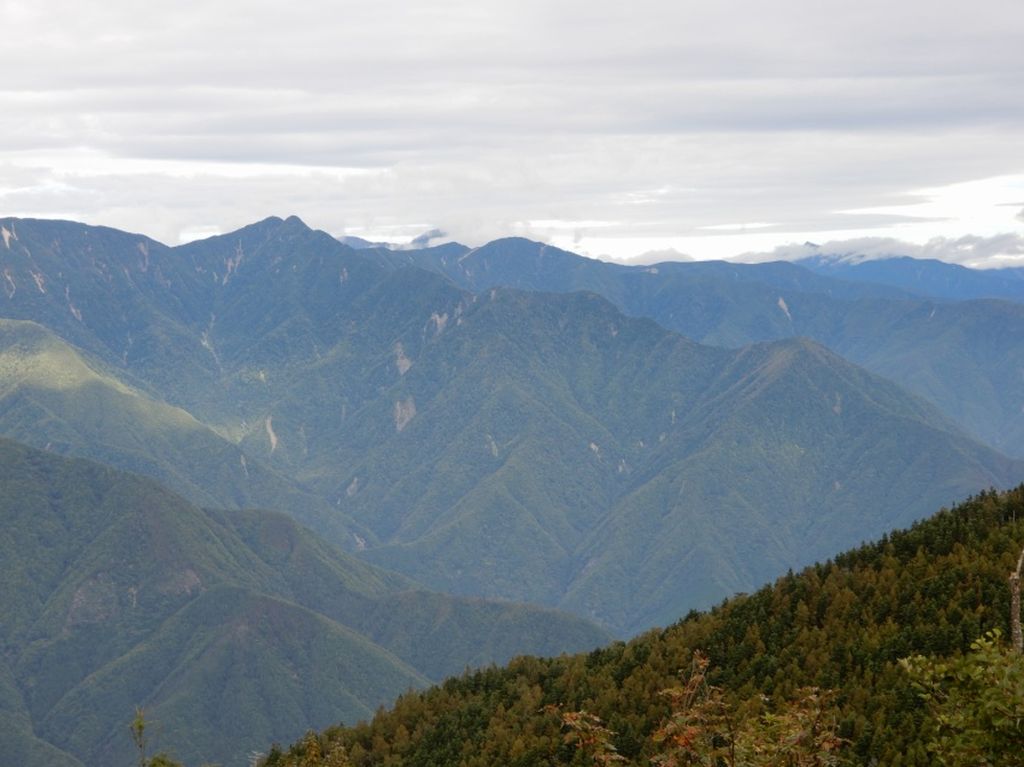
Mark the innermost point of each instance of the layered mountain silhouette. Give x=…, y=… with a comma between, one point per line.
x=896, y=317
x=117, y=593
x=923, y=276
x=491, y=442
x=512, y=422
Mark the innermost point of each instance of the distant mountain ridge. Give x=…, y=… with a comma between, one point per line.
x=966, y=357
x=924, y=276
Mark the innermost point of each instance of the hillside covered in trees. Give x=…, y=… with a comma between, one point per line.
x=230, y=628
x=499, y=442
x=843, y=626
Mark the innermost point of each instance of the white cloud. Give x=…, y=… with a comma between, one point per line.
x=659, y=256
x=737, y=227
x=968, y=250
x=640, y=127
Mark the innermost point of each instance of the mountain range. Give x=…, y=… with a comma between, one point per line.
x=944, y=332
x=492, y=442
x=922, y=276
x=432, y=430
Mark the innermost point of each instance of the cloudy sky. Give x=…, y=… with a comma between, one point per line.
x=616, y=129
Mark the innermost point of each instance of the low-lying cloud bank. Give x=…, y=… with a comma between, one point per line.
x=1001, y=250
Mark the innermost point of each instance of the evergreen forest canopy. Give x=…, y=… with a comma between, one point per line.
x=843, y=626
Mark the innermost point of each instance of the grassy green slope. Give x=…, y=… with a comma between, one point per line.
x=197, y=323
x=120, y=296
x=53, y=397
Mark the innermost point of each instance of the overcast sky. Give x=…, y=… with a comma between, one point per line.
x=614, y=129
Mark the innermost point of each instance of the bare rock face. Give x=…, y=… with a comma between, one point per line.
x=405, y=411
x=94, y=601
x=185, y=582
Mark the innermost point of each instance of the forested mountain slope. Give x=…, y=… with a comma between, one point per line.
x=53, y=396
x=842, y=625
x=116, y=593
x=966, y=357
x=615, y=459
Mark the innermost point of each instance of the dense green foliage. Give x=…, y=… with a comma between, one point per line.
x=231, y=628
x=702, y=729
x=632, y=474
x=843, y=625
x=975, y=702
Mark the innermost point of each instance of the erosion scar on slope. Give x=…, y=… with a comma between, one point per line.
x=269, y=423
x=405, y=411
x=402, y=362
x=785, y=308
